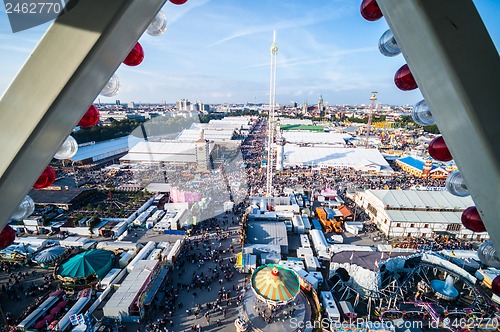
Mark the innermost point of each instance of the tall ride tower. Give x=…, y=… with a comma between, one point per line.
x=270, y=123
x=373, y=98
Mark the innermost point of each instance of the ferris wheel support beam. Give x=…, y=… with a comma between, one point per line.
x=61, y=78
x=456, y=66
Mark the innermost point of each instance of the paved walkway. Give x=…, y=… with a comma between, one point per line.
x=190, y=308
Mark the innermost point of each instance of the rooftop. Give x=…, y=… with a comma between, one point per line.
x=105, y=149
x=302, y=127
x=357, y=158
x=168, y=151
x=316, y=137
x=439, y=200
x=262, y=232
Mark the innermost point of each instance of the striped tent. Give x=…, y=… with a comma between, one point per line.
x=275, y=284
x=49, y=255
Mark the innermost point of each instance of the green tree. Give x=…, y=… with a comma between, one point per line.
x=101, y=133
x=433, y=129
x=93, y=223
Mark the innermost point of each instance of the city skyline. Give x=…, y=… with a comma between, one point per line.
x=218, y=52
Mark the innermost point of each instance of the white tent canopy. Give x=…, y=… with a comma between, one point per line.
x=357, y=158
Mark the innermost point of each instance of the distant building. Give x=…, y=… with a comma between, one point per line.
x=268, y=233
x=106, y=116
x=321, y=106
x=304, y=108
x=182, y=105
x=199, y=106
x=64, y=198
x=168, y=152
x=136, y=117
x=420, y=168
x=418, y=214
x=313, y=138
x=101, y=152
x=185, y=114
x=295, y=121
x=198, y=146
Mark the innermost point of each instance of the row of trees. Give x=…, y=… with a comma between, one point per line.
x=100, y=133
x=158, y=126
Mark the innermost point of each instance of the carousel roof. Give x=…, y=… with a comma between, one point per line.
x=275, y=283
x=49, y=254
x=87, y=263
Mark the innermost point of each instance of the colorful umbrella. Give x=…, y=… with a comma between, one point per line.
x=275, y=284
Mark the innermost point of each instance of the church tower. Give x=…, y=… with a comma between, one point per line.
x=321, y=106
x=426, y=172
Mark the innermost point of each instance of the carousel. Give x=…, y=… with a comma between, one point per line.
x=275, y=285
x=275, y=300
x=85, y=269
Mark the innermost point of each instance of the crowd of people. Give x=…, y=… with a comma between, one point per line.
x=253, y=150
x=203, y=285
x=17, y=285
x=103, y=176
x=274, y=313
x=238, y=174
x=206, y=265
x=440, y=242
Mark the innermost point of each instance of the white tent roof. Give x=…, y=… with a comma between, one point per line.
x=121, y=300
x=316, y=138
x=295, y=121
x=357, y=158
x=425, y=216
x=209, y=134
x=441, y=200
x=101, y=150
x=170, y=151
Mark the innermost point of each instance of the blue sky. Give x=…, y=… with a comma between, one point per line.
x=217, y=51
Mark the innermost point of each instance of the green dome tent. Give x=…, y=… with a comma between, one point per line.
x=86, y=267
